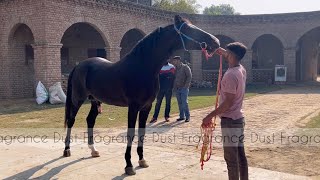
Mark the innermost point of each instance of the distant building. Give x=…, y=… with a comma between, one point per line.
x=143, y=2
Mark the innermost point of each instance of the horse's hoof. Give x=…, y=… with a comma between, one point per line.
x=66, y=153
x=130, y=171
x=95, y=154
x=143, y=163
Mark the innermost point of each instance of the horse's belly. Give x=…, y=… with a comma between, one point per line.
x=115, y=102
x=108, y=93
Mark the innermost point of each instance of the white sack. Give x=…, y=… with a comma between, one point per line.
x=56, y=94
x=41, y=93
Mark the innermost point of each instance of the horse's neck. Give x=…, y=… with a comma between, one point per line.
x=161, y=48
x=154, y=50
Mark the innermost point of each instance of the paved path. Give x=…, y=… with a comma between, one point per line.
x=170, y=147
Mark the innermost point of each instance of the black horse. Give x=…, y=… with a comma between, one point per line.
x=131, y=82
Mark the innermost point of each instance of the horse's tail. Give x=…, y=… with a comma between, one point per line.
x=69, y=99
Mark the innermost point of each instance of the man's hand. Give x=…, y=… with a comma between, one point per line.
x=221, y=51
x=206, y=121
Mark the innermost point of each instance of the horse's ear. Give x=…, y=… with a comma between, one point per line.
x=177, y=19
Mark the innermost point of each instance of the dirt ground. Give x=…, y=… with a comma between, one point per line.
x=275, y=136
x=277, y=146
x=285, y=112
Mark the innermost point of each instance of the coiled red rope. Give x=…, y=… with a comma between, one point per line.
x=207, y=132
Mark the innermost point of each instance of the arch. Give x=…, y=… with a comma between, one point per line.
x=306, y=31
x=129, y=40
x=21, y=61
x=81, y=41
x=15, y=23
x=102, y=31
x=267, y=51
x=276, y=35
x=308, y=55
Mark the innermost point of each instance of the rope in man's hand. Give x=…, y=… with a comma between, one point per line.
x=207, y=130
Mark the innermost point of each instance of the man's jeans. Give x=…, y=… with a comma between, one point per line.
x=161, y=94
x=233, y=147
x=182, y=97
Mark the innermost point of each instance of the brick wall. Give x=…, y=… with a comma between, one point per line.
x=3, y=51
x=18, y=28
x=143, y=2
x=48, y=20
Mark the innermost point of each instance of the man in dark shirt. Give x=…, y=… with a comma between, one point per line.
x=166, y=79
x=182, y=83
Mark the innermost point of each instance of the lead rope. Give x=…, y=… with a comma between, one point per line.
x=207, y=132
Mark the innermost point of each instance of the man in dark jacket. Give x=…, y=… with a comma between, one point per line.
x=181, y=85
x=166, y=79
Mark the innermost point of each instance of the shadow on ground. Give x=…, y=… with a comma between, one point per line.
x=27, y=174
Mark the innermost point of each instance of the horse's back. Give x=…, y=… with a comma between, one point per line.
x=96, y=61
x=89, y=67
x=94, y=65
x=100, y=78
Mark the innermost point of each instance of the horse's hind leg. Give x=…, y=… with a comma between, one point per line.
x=91, y=120
x=143, y=116
x=73, y=113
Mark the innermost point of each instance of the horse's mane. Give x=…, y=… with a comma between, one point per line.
x=145, y=45
x=148, y=42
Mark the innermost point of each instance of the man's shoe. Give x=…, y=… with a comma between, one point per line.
x=187, y=120
x=180, y=119
x=153, y=120
x=167, y=119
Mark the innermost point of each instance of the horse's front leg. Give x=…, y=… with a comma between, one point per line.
x=132, y=118
x=143, y=116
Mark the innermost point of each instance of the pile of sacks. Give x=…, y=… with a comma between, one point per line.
x=55, y=94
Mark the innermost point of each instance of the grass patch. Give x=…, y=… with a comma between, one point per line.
x=27, y=114
x=314, y=122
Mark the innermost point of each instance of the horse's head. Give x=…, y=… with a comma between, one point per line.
x=194, y=38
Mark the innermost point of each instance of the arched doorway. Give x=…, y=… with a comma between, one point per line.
x=129, y=40
x=21, y=62
x=210, y=67
x=81, y=41
x=308, y=56
x=267, y=52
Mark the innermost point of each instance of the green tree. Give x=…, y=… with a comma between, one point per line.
x=222, y=9
x=182, y=6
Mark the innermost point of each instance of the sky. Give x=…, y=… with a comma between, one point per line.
x=245, y=7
